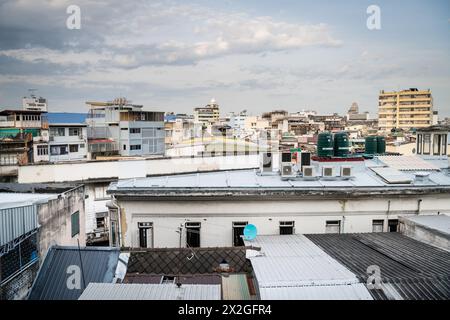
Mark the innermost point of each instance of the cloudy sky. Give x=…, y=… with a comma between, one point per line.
x=254, y=54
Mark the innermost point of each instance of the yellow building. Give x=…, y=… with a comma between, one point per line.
x=405, y=109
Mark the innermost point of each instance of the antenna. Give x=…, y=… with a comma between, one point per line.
x=81, y=264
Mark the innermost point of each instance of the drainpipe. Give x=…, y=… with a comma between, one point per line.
x=419, y=202
x=119, y=233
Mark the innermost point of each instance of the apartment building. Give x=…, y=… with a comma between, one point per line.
x=18, y=129
x=208, y=114
x=406, y=109
x=120, y=128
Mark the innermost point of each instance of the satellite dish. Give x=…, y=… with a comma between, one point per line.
x=250, y=232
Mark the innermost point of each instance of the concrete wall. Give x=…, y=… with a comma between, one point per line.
x=216, y=217
x=55, y=220
x=424, y=234
x=123, y=169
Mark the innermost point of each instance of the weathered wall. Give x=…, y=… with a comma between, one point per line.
x=424, y=234
x=217, y=217
x=132, y=168
x=55, y=220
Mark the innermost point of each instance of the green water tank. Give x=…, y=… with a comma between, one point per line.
x=371, y=145
x=341, y=144
x=325, y=144
x=381, y=145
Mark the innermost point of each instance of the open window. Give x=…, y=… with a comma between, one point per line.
x=193, y=234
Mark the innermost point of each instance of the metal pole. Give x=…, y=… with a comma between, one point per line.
x=81, y=265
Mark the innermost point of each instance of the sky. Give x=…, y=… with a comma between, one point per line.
x=254, y=55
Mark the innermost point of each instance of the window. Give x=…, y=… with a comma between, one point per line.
x=145, y=234
x=437, y=144
x=42, y=150
x=193, y=234
x=58, y=150
x=73, y=148
x=124, y=147
x=57, y=132
x=74, y=131
x=286, y=227
x=444, y=144
x=377, y=225
x=238, y=232
x=167, y=279
x=100, y=192
x=135, y=130
x=75, y=222
x=426, y=144
x=135, y=147
x=393, y=225
x=100, y=222
x=82, y=146
x=17, y=117
x=333, y=227
x=419, y=144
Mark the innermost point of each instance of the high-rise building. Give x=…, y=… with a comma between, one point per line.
x=208, y=114
x=406, y=109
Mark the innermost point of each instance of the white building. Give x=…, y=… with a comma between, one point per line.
x=33, y=103
x=121, y=128
x=211, y=209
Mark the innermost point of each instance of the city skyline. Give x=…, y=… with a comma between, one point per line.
x=250, y=55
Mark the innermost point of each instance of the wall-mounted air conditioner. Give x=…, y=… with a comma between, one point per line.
x=308, y=172
x=346, y=171
x=327, y=172
x=287, y=170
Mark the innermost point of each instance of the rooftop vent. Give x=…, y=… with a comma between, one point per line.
x=422, y=176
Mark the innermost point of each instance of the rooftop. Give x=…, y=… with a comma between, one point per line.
x=410, y=269
x=293, y=267
x=66, y=118
x=440, y=223
x=251, y=182
x=334, y=266
x=134, y=291
x=98, y=265
x=186, y=261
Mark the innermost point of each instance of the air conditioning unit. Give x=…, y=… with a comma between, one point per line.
x=287, y=170
x=327, y=172
x=267, y=162
x=308, y=172
x=346, y=171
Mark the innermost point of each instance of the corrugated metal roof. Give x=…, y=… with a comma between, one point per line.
x=99, y=265
x=414, y=270
x=437, y=222
x=15, y=222
x=66, y=118
x=134, y=291
x=16, y=199
x=343, y=292
x=235, y=287
x=293, y=261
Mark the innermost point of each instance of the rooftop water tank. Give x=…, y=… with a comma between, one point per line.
x=371, y=145
x=341, y=144
x=325, y=144
x=381, y=145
